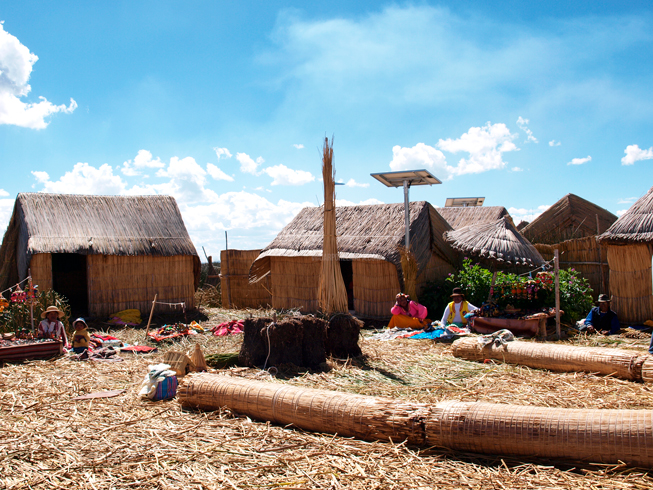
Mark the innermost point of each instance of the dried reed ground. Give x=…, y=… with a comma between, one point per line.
x=49, y=440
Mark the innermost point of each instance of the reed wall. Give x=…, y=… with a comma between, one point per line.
x=294, y=282
x=237, y=292
x=41, y=267
x=630, y=282
x=376, y=285
x=118, y=283
x=436, y=269
x=583, y=255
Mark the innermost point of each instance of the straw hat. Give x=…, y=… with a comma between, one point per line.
x=50, y=309
x=457, y=292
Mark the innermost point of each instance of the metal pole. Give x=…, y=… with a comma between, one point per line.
x=557, y=290
x=226, y=240
x=407, y=213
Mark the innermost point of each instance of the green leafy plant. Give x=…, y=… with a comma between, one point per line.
x=16, y=316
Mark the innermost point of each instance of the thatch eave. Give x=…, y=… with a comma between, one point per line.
x=634, y=226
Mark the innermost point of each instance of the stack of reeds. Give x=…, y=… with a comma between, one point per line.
x=601, y=436
x=621, y=363
x=332, y=292
x=409, y=267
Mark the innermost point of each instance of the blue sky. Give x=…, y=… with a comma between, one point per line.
x=225, y=105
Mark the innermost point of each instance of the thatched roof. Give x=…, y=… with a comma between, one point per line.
x=635, y=225
x=107, y=225
x=498, y=242
x=457, y=217
x=372, y=231
x=522, y=224
x=570, y=217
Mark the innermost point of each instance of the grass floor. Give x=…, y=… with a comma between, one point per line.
x=50, y=440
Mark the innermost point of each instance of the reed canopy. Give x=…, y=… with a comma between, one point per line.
x=368, y=238
x=571, y=217
x=630, y=249
x=459, y=217
x=105, y=253
x=498, y=242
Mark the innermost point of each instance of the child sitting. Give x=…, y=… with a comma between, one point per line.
x=50, y=327
x=81, y=337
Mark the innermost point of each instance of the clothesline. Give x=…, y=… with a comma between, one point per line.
x=15, y=285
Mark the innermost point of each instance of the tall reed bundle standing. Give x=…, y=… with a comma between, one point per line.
x=409, y=266
x=332, y=292
x=621, y=363
x=601, y=436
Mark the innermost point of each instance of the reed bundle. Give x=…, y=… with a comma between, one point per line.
x=332, y=291
x=623, y=364
x=602, y=436
x=409, y=267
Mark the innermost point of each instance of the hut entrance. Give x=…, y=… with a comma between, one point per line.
x=348, y=276
x=69, y=279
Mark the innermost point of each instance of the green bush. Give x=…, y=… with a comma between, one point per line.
x=16, y=316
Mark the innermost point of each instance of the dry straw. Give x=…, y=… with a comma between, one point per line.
x=623, y=364
x=332, y=291
x=600, y=436
x=409, y=267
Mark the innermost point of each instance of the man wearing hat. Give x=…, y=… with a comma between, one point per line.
x=454, y=313
x=601, y=318
x=50, y=327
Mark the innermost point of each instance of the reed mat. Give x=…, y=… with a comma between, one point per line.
x=48, y=440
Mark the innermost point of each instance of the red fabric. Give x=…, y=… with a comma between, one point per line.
x=229, y=328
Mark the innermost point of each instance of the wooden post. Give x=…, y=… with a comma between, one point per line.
x=30, y=298
x=557, y=291
x=494, y=280
x=147, y=330
x=598, y=232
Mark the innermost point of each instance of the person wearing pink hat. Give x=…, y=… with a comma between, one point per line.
x=50, y=327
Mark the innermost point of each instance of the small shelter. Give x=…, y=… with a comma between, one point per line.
x=368, y=241
x=460, y=216
x=103, y=253
x=629, y=243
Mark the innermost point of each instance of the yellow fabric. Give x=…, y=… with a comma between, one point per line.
x=81, y=338
x=464, y=309
x=127, y=316
x=405, y=321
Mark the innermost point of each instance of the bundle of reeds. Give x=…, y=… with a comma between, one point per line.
x=621, y=363
x=602, y=436
x=332, y=291
x=409, y=267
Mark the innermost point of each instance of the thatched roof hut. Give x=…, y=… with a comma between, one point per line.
x=105, y=253
x=630, y=249
x=458, y=217
x=498, y=242
x=368, y=240
x=571, y=217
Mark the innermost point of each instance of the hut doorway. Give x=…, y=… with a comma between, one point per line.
x=69, y=279
x=348, y=276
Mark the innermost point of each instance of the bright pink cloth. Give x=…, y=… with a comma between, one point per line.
x=415, y=310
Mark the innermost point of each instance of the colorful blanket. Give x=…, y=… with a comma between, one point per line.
x=229, y=328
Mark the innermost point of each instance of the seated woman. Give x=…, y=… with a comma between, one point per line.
x=454, y=313
x=50, y=327
x=408, y=314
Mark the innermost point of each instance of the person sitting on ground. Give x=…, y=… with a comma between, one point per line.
x=81, y=338
x=50, y=327
x=454, y=313
x=601, y=318
x=408, y=314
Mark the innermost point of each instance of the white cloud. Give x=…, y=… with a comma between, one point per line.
x=621, y=212
x=83, y=179
x=516, y=169
x=143, y=159
x=353, y=183
x=522, y=123
x=634, y=154
x=6, y=208
x=3, y=193
x=421, y=156
x=217, y=174
x=344, y=202
x=222, y=152
x=283, y=175
x=554, y=143
x=523, y=214
x=247, y=164
x=627, y=200
x=485, y=145
x=580, y=161
x=299, y=146
x=15, y=70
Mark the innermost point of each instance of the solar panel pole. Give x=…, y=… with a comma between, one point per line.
x=407, y=213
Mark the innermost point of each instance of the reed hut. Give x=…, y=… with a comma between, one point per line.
x=459, y=217
x=569, y=218
x=237, y=292
x=368, y=237
x=629, y=243
x=104, y=253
